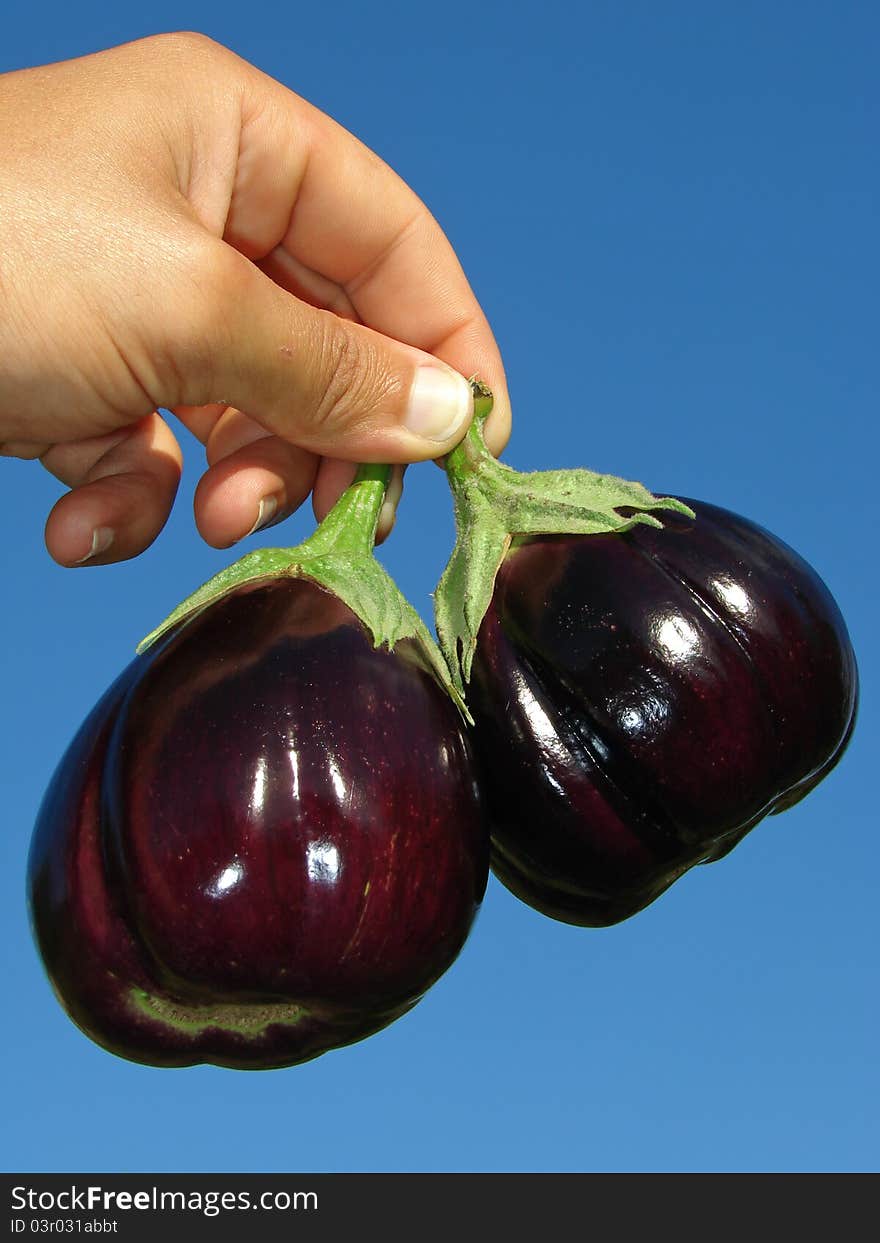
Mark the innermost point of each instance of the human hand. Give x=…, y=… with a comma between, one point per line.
x=180, y=231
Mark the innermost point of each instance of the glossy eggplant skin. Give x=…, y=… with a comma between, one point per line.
x=642, y=700
x=266, y=840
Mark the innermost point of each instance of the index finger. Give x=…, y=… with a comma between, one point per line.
x=307, y=189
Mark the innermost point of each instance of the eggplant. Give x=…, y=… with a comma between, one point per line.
x=266, y=841
x=644, y=692
x=642, y=700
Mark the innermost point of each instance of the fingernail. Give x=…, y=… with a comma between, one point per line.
x=102, y=538
x=265, y=514
x=388, y=512
x=386, y=520
x=440, y=403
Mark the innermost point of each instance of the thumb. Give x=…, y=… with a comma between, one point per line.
x=327, y=384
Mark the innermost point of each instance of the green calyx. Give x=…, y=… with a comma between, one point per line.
x=339, y=555
x=495, y=505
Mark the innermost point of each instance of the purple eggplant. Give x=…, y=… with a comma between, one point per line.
x=643, y=699
x=266, y=841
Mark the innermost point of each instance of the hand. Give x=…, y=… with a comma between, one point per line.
x=179, y=231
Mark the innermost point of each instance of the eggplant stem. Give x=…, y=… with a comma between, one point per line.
x=350, y=526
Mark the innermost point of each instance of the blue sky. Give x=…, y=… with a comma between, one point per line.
x=669, y=214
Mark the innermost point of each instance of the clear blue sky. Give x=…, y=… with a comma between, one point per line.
x=669, y=212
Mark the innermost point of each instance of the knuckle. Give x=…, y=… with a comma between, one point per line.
x=184, y=45
x=353, y=385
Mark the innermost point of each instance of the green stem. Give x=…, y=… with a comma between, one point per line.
x=342, y=542
x=471, y=455
x=496, y=507
x=350, y=526
x=338, y=556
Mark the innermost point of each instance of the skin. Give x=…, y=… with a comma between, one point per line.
x=181, y=232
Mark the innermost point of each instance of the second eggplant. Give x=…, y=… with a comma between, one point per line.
x=643, y=699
